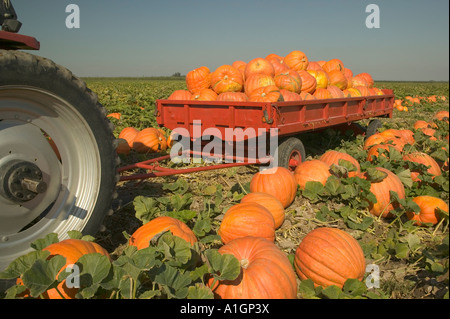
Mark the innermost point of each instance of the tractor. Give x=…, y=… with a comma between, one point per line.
x=58, y=160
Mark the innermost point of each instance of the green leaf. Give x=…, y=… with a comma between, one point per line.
x=42, y=274
x=42, y=243
x=174, y=282
x=313, y=190
x=332, y=292
x=401, y=250
x=354, y=287
x=374, y=175
x=307, y=289
x=405, y=177
x=184, y=215
x=200, y=291
x=95, y=266
x=223, y=267
x=146, y=208
x=21, y=264
x=333, y=185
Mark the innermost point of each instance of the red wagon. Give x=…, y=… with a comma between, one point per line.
x=200, y=119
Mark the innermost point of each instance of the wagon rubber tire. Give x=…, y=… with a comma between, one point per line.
x=373, y=127
x=50, y=120
x=291, y=152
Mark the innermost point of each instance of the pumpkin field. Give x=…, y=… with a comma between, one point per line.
x=406, y=248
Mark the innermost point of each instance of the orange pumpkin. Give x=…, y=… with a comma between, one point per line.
x=329, y=256
x=278, y=65
x=122, y=146
x=198, y=79
x=290, y=96
x=381, y=190
x=369, y=79
x=314, y=66
x=143, y=235
x=72, y=250
x=289, y=80
x=333, y=157
x=309, y=82
x=337, y=78
x=335, y=91
x=307, y=96
x=296, y=60
x=374, y=139
x=266, y=272
x=374, y=151
x=322, y=94
x=270, y=202
x=428, y=210
x=364, y=90
x=311, y=171
x=227, y=78
x=204, y=95
x=270, y=93
x=180, y=95
x=442, y=115
x=232, y=97
x=321, y=77
x=333, y=64
x=129, y=134
x=277, y=181
x=425, y=159
x=256, y=81
x=259, y=66
x=359, y=81
x=351, y=92
x=247, y=219
x=149, y=140
x=117, y=116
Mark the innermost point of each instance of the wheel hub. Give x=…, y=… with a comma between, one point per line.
x=21, y=181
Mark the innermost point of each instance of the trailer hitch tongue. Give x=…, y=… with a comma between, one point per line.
x=21, y=181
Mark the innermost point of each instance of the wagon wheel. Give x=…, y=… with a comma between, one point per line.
x=373, y=127
x=57, y=155
x=291, y=153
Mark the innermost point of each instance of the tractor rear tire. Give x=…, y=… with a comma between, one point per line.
x=55, y=136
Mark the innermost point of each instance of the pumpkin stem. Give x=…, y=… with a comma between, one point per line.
x=245, y=263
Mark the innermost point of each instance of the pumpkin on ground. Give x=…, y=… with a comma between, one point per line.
x=329, y=256
x=429, y=206
x=129, y=134
x=266, y=272
x=333, y=157
x=247, y=219
x=149, y=140
x=422, y=158
x=142, y=236
x=277, y=181
x=72, y=250
x=270, y=202
x=381, y=189
x=311, y=171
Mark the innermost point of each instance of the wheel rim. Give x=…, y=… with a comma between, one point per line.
x=295, y=158
x=28, y=118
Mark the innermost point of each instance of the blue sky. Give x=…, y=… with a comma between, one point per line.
x=153, y=37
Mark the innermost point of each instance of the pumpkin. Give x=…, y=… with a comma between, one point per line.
x=311, y=171
x=429, y=132
x=367, y=77
x=122, y=146
x=296, y=60
x=333, y=157
x=335, y=91
x=374, y=151
x=198, y=79
x=129, y=134
x=278, y=65
x=428, y=210
x=149, y=140
x=406, y=135
x=290, y=96
x=442, y=115
x=329, y=256
x=322, y=94
x=256, y=81
x=232, y=97
x=351, y=92
x=348, y=73
x=321, y=77
x=359, y=81
x=289, y=80
x=259, y=66
x=270, y=93
x=274, y=55
x=247, y=219
x=374, y=139
x=205, y=95
x=240, y=65
x=227, y=78
x=425, y=159
x=333, y=64
x=337, y=78
x=270, y=202
x=266, y=272
x=307, y=96
x=309, y=82
x=143, y=235
x=314, y=66
x=420, y=124
x=117, y=116
x=381, y=190
x=180, y=95
x=364, y=90
x=72, y=250
x=277, y=181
